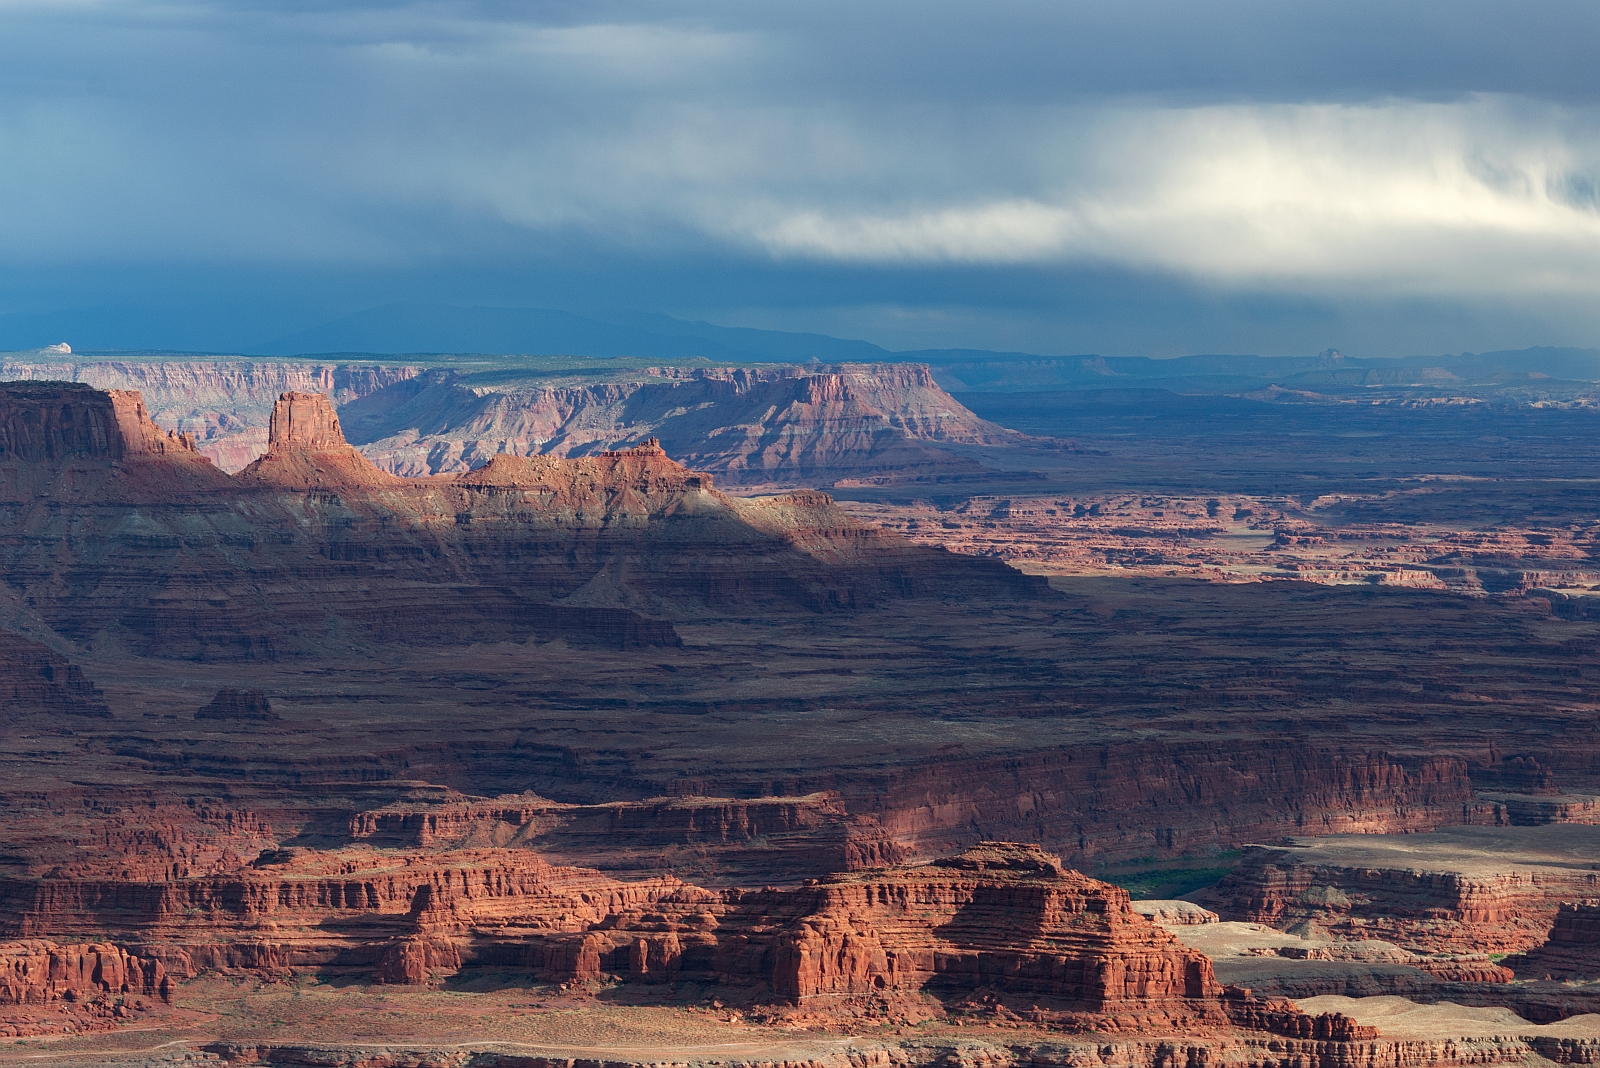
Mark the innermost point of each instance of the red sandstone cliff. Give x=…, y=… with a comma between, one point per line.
x=1572, y=951
x=1000, y=916
x=38, y=972
x=1002, y=923
x=179, y=559
x=223, y=405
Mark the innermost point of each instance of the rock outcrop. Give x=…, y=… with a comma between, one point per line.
x=303, y=421
x=999, y=917
x=773, y=424
x=998, y=927
x=719, y=840
x=38, y=685
x=1571, y=952
x=1175, y=913
x=999, y=932
x=1473, y=889
x=223, y=405
x=233, y=704
x=35, y=972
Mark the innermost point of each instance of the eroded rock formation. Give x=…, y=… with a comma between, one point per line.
x=723, y=839
x=237, y=704
x=1005, y=924
x=758, y=425
x=311, y=549
x=223, y=405
x=38, y=684
x=773, y=424
x=1477, y=889
x=1573, y=949
x=38, y=971
x=999, y=916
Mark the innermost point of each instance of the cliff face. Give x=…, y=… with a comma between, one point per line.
x=47, y=424
x=1002, y=930
x=997, y=916
x=746, y=426
x=1472, y=889
x=743, y=840
x=764, y=425
x=1572, y=950
x=114, y=526
x=1003, y=918
x=223, y=405
x=38, y=972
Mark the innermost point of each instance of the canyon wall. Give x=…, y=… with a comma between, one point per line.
x=758, y=425
x=223, y=404
x=1482, y=889
x=38, y=972
x=996, y=920
x=1572, y=949
x=125, y=532
x=754, y=425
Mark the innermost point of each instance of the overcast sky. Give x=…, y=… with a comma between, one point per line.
x=1120, y=177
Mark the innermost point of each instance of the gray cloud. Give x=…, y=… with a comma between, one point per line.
x=1319, y=151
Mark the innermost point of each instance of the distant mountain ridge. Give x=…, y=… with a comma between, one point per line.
x=439, y=328
x=415, y=329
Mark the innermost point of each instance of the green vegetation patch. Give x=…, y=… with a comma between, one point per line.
x=1173, y=877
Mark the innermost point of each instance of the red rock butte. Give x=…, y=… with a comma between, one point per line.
x=304, y=421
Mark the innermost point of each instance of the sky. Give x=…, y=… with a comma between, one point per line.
x=1131, y=178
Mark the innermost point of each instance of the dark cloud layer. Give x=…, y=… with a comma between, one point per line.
x=1157, y=177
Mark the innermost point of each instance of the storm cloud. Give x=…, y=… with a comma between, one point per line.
x=1156, y=177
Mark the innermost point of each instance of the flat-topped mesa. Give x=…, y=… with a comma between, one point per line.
x=54, y=422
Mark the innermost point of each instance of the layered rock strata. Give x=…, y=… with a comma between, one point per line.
x=1477, y=889
x=38, y=972
x=113, y=527
x=721, y=839
x=234, y=704
x=999, y=916
x=758, y=425
x=38, y=684
x=1000, y=926
x=761, y=425
x=1573, y=949
x=223, y=405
